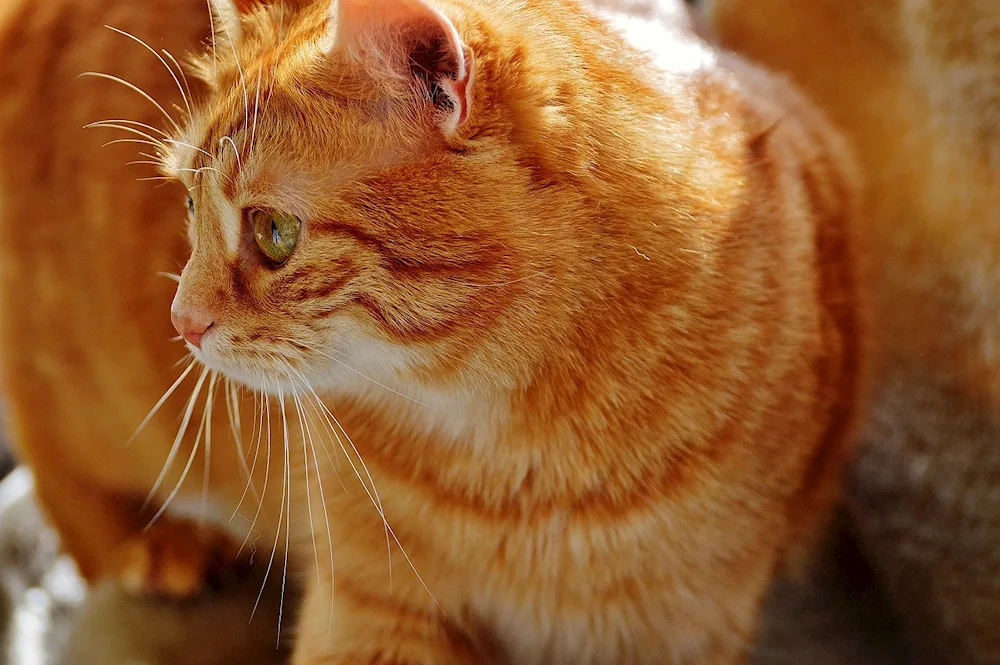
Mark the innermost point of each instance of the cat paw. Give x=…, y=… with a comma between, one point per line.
x=178, y=559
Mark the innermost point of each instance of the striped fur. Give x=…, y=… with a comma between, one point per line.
x=596, y=345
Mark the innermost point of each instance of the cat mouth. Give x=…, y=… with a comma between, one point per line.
x=279, y=362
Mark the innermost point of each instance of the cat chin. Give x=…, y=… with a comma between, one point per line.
x=259, y=380
x=336, y=380
x=357, y=365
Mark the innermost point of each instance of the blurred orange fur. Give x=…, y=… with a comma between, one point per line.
x=915, y=87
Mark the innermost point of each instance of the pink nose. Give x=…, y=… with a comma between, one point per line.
x=192, y=325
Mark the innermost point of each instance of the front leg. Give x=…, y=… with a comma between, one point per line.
x=177, y=558
x=104, y=531
x=376, y=628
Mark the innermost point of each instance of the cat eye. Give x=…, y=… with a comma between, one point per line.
x=190, y=206
x=276, y=233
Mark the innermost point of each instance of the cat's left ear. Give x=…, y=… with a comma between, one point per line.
x=413, y=39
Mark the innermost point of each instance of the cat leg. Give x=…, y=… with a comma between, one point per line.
x=177, y=558
x=92, y=522
x=105, y=533
x=377, y=629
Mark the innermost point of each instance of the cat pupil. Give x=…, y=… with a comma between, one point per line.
x=274, y=232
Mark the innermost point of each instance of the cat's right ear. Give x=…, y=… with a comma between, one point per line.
x=410, y=41
x=227, y=17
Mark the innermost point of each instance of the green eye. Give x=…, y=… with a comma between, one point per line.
x=277, y=234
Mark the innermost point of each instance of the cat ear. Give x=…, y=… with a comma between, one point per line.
x=226, y=17
x=414, y=40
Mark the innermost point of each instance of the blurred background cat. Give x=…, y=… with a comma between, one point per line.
x=916, y=86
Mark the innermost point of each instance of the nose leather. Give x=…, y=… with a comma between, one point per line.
x=191, y=324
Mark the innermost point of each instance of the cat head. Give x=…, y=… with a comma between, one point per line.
x=359, y=203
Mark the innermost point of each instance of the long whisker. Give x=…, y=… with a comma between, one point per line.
x=334, y=463
x=348, y=367
x=266, y=411
x=277, y=61
x=256, y=111
x=209, y=407
x=114, y=122
x=243, y=81
x=305, y=467
x=322, y=497
x=236, y=428
x=172, y=276
x=142, y=141
x=372, y=493
x=201, y=170
x=257, y=435
x=239, y=161
x=205, y=417
x=379, y=502
x=187, y=102
x=187, y=86
x=188, y=145
x=166, y=396
x=145, y=95
x=215, y=52
x=131, y=130
x=299, y=379
x=288, y=522
x=329, y=531
x=281, y=517
x=175, y=447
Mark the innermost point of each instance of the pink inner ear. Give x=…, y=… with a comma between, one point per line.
x=384, y=24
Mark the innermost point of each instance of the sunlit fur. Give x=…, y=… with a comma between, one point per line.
x=562, y=380
x=915, y=82
x=916, y=86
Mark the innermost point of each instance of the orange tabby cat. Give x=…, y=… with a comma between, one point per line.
x=915, y=84
x=559, y=338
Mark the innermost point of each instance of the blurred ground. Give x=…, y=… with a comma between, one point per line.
x=47, y=616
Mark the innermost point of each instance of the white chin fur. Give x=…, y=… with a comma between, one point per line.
x=359, y=364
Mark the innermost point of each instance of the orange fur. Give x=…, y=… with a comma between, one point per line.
x=587, y=326
x=915, y=86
